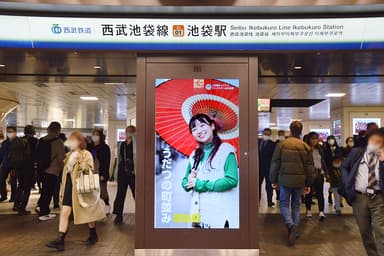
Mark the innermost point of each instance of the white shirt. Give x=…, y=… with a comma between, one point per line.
x=317, y=159
x=362, y=174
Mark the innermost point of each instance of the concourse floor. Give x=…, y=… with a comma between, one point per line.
x=25, y=236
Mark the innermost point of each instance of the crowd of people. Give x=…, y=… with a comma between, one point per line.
x=54, y=164
x=297, y=167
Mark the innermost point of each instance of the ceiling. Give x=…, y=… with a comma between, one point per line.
x=48, y=84
x=206, y=2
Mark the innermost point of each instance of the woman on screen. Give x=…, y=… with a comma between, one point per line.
x=212, y=177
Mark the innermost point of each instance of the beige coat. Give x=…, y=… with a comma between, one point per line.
x=81, y=215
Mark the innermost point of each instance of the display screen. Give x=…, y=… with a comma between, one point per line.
x=196, y=153
x=323, y=133
x=360, y=124
x=120, y=134
x=264, y=105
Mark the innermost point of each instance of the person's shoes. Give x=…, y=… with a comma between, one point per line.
x=15, y=209
x=93, y=238
x=23, y=212
x=313, y=203
x=50, y=216
x=341, y=205
x=118, y=219
x=308, y=214
x=58, y=243
x=12, y=200
x=292, y=232
x=2, y=199
x=321, y=216
x=272, y=204
x=338, y=213
x=37, y=210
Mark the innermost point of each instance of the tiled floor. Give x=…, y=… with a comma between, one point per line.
x=25, y=236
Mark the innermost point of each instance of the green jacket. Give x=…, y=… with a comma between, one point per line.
x=229, y=181
x=292, y=164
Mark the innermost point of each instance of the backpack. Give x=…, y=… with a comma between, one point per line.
x=19, y=153
x=44, y=154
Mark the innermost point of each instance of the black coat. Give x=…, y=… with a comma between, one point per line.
x=265, y=155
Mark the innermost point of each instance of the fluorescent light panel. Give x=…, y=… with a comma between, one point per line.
x=89, y=98
x=335, y=94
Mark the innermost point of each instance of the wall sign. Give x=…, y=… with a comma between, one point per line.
x=197, y=145
x=191, y=34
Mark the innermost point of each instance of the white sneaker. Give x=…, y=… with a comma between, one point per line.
x=308, y=214
x=50, y=216
x=107, y=209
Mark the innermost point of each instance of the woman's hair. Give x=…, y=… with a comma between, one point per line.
x=334, y=138
x=216, y=141
x=348, y=139
x=131, y=128
x=100, y=132
x=310, y=136
x=80, y=137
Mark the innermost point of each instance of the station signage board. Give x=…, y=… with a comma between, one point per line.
x=191, y=34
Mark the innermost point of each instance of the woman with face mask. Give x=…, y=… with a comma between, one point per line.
x=212, y=177
x=349, y=145
x=102, y=158
x=331, y=150
x=77, y=161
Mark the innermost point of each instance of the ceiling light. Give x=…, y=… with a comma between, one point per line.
x=110, y=83
x=2, y=65
x=98, y=124
x=335, y=95
x=69, y=120
x=97, y=67
x=89, y=98
x=297, y=67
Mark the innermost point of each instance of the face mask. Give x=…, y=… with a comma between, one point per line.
x=11, y=135
x=281, y=138
x=331, y=142
x=266, y=137
x=95, y=138
x=351, y=144
x=372, y=148
x=73, y=145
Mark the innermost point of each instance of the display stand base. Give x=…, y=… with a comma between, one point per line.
x=194, y=252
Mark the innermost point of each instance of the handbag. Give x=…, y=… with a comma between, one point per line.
x=88, y=182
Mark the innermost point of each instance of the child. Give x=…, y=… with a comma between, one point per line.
x=335, y=181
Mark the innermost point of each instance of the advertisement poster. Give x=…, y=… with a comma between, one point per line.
x=360, y=124
x=323, y=133
x=196, y=158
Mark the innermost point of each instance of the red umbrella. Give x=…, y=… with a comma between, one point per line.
x=177, y=100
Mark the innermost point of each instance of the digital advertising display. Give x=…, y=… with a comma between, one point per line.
x=196, y=154
x=360, y=124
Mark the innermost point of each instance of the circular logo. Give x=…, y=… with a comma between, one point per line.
x=56, y=29
x=208, y=87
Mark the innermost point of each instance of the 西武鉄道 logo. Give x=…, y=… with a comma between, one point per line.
x=56, y=29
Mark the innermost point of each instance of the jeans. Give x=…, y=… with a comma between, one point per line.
x=123, y=181
x=318, y=189
x=49, y=183
x=335, y=191
x=370, y=219
x=290, y=200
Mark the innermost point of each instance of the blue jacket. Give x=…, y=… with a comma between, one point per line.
x=349, y=172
